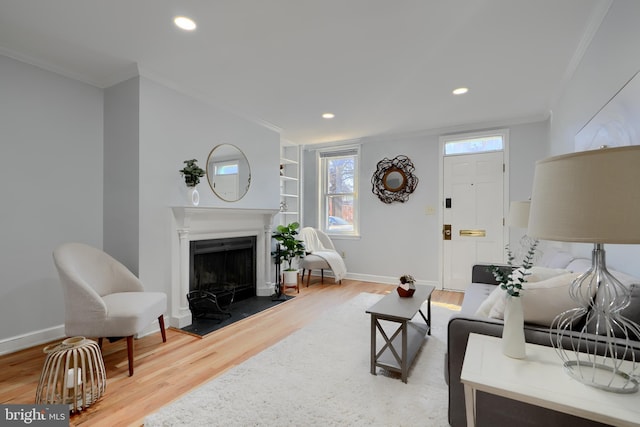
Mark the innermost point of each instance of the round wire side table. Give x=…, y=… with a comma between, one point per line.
x=73, y=374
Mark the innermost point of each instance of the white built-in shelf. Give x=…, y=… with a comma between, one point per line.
x=286, y=161
x=290, y=180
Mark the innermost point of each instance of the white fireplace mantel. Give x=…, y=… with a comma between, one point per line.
x=202, y=223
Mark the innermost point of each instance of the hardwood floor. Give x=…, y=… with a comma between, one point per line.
x=164, y=372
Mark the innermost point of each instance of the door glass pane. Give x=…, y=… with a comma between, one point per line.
x=474, y=145
x=339, y=213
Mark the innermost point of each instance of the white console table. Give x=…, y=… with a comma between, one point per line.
x=539, y=380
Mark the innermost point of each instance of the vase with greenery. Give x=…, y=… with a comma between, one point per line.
x=511, y=280
x=513, y=277
x=192, y=173
x=290, y=247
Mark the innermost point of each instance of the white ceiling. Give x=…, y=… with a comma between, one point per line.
x=382, y=66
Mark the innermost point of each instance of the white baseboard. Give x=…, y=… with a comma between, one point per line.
x=20, y=342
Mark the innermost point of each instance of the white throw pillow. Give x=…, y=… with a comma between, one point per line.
x=542, y=301
x=537, y=274
x=485, y=307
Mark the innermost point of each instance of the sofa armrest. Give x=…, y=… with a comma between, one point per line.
x=481, y=273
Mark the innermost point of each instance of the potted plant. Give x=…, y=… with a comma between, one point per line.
x=407, y=286
x=192, y=174
x=290, y=248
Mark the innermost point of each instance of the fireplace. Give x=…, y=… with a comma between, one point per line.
x=224, y=265
x=195, y=224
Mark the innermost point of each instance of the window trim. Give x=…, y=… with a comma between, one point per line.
x=334, y=152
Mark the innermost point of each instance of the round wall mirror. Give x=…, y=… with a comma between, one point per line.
x=394, y=180
x=228, y=172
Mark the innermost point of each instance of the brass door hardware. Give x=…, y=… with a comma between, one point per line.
x=473, y=233
x=446, y=232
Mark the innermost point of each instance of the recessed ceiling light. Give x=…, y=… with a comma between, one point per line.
x=184, y=23
x=460, y=90
x=328, y=116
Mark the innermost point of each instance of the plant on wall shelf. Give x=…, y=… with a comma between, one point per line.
x=290, y=247
x=192, y=173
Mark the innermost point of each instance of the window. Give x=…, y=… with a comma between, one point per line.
x=339, y=190
x=230, y=168
x=474, y=145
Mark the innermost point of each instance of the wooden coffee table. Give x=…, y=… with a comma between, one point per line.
x=401, y=347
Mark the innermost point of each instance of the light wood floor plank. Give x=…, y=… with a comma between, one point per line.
x=166, y=371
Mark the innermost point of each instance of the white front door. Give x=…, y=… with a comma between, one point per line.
x=473, y=192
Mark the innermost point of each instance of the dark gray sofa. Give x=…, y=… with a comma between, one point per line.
x=494, y=411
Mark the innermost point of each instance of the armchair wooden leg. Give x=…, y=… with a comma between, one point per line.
x=162, y=331
x=130, y=353
x=321, y=276
x=308, y=278
x=100, y=343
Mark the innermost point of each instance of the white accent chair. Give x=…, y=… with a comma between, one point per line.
x=103, y=298
x=319, y=251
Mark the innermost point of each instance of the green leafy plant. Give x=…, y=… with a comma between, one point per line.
x=290, y=247
x=512, y=278
x=192, y=173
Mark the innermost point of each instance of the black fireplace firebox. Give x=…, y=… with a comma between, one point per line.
x=221, y=271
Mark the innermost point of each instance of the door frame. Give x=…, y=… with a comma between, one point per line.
x=504, y=132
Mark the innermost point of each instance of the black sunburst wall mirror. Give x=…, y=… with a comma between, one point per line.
x=394, y=180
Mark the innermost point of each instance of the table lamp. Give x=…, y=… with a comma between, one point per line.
x=593, y=197
x=519, y=214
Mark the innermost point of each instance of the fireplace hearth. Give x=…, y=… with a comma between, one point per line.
x=221, y=272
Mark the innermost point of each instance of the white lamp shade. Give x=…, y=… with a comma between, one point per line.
x=519, y=214
x=590, y=196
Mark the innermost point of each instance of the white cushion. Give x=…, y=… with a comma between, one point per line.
x=579, y=265
x=554, y=258
x=542, y=301
x=314, y=262
x=488, y=303
x=537, y=274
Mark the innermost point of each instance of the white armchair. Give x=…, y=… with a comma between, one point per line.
x=320, y=255
x=103, y=298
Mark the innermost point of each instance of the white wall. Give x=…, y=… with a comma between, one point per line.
x=175, y=127
x=527, y=143
x=121, y=172
x=51, y=192
x=400, y=237
x=610, y=60
x=58, y=185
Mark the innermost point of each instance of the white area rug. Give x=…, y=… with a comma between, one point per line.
x=319, y=376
